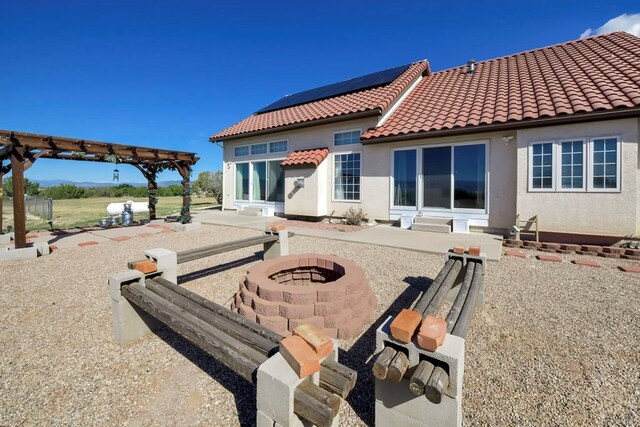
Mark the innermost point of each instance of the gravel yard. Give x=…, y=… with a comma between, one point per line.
x=556, y=344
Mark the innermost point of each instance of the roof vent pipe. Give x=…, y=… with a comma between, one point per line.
x=471, y=64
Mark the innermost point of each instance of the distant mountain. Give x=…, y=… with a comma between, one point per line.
x=53, y=182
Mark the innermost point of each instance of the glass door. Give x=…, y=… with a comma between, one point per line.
x=436, y=177
x=404, y=178
x=469, y=176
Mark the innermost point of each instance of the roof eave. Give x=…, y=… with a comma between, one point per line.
x=332, y=119
x=528, y=123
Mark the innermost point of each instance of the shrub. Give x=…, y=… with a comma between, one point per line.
x=355, y=217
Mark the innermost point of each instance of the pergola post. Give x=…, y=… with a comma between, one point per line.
x=19, y=215
x=185, y=173
x=1, y=195
x=152, y=188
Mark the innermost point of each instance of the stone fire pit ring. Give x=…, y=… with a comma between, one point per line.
x=326, y=291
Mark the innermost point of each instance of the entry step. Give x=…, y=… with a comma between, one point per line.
x=432, y=224
x=250, y=211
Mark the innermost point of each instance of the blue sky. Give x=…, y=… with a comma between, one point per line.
x=168, y=74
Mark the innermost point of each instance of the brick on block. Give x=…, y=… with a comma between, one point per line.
x=432, y=332
x=300, y=356
x=316, y=338
x=405, y=324
x=458, y=250
x=146, y=266
x=474, y=250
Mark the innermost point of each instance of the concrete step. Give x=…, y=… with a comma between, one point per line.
x=432, y=228
x=250, y=211
x=432, y=220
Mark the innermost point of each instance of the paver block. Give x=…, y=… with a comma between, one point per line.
x=316, y=321
x=629, y=268
x=275, y=323
x=613, y=250
x=531, y=244
x=121, y=238
x=316, y=338
x=89, y=243
x=53, y=247
x=516, y=253
x=146, y=266
x=293, y=311
x=632, y=252
x=405, y=324
x=581, y=252
x=458, y=250
x=587, y=262
x=570, y=247
x=630, y=257
x=266, y=308
x=549, y=258
x=565, y=251
x=300, y=356
x=474, y=250
x=432, y=332
x=247, y=312
x=591, y=248
x=549, y=245
x=146, y=234
x=608, y=255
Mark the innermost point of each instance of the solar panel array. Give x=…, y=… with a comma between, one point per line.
x=356, y=84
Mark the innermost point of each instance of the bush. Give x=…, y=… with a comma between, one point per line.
x=355, y=217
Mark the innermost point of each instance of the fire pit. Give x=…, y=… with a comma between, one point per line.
x=323, y=290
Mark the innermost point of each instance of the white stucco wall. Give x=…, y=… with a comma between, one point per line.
x=612, y=213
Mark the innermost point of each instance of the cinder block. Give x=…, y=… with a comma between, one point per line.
x=167, y=262
x=405, y=324
x=278, y=248
x=11, y=254
x=42, y=248
x=177, y=227
x=5, y=239
x=129, y=322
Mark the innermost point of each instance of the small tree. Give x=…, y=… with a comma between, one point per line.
x=209, y=184
x=31, y=188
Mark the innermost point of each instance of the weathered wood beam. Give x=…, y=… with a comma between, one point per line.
x=33, y=157
x=5, y=151
x=207, y=251
x=1, y=196
x=19, y=215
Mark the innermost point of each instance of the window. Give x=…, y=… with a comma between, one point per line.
x=404, y=178
x=278, y=147
x=242, y=181
x=275, y=182
x=542, y=165
x=346, y=176
x=241, y=151
x=605, y=154
x=258, y=149
x=575, y=165
x=346, y=138
x=572, y=165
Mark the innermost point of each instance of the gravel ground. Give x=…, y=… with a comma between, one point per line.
x=556, y=344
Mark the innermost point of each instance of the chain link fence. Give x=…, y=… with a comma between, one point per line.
x=39, y=206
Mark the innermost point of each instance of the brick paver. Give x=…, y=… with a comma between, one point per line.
x=549, y=258
x=589, y=262
x=516, y=253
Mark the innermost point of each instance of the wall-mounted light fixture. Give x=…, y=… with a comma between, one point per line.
x=507, y=139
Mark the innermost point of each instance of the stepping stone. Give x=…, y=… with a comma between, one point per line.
x=629, y=268
x=121, y=238
x=516, y=253
x=549, y=258
x=587, y=262
x=143, y=235
x=89, y=243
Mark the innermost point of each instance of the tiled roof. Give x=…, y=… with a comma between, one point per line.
x=582, y=76
x=314, y=156
x=369, y=99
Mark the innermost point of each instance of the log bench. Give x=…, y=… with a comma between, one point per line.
x=143, y=301
x=418, y=387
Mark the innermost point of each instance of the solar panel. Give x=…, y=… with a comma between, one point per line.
x=348, y=86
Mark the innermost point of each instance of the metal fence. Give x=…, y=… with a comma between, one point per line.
x=39, y=206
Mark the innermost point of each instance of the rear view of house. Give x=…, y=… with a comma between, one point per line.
x=550, y=133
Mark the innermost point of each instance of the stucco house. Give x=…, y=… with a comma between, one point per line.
x=551, y=132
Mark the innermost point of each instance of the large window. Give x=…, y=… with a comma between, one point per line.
x=346, y=138
x=469, y=164
x=346, y=176
x=575, y=165
x=259, y=180
x=275, y=182
x=242, y=181
x=404, y=178
x=263, y=181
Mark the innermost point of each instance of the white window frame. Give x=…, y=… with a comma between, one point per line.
x=251, y=199
x=333, y=176
x=346, y=131
x=286, y=141
x=235, y=182
x=558, y=166
x=554, y=173
x=267, y=153
x=591, y=144
x=242, y=146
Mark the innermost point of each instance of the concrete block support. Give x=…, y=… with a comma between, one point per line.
x=276, y=385
x=167, y=262
x=128, y=321
x=5, y=239
x=11, y=254
x=278, y=248
x=177, y=227
x=396, y=405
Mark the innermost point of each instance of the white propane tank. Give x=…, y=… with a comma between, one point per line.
x=117, y=208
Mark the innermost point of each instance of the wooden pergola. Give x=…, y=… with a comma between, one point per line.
x=22, y=149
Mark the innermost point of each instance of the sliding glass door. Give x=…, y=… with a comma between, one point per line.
x=264, y=181
x=441, y=178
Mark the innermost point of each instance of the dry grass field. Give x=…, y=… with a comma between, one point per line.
x=84, y=212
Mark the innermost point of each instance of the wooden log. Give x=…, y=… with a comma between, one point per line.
x=445, y=287
x=207, y=251
x=321, y=395
x=427, y=296
x=236, y=356
x=398, y=367
x=262, y=339
x=307, y=404
x=436, y=385
x=420, y=377
x=257, y=342
x=456, y=308
x=464, y=319
x=19, y=214
x=381, y=365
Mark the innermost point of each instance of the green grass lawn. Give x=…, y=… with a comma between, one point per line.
x=87, y=212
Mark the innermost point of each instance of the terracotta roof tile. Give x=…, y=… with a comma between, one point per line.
x=598, y=73
x=380, y=97
x=314, y=157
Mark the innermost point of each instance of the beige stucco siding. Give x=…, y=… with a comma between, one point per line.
x=613, y=213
